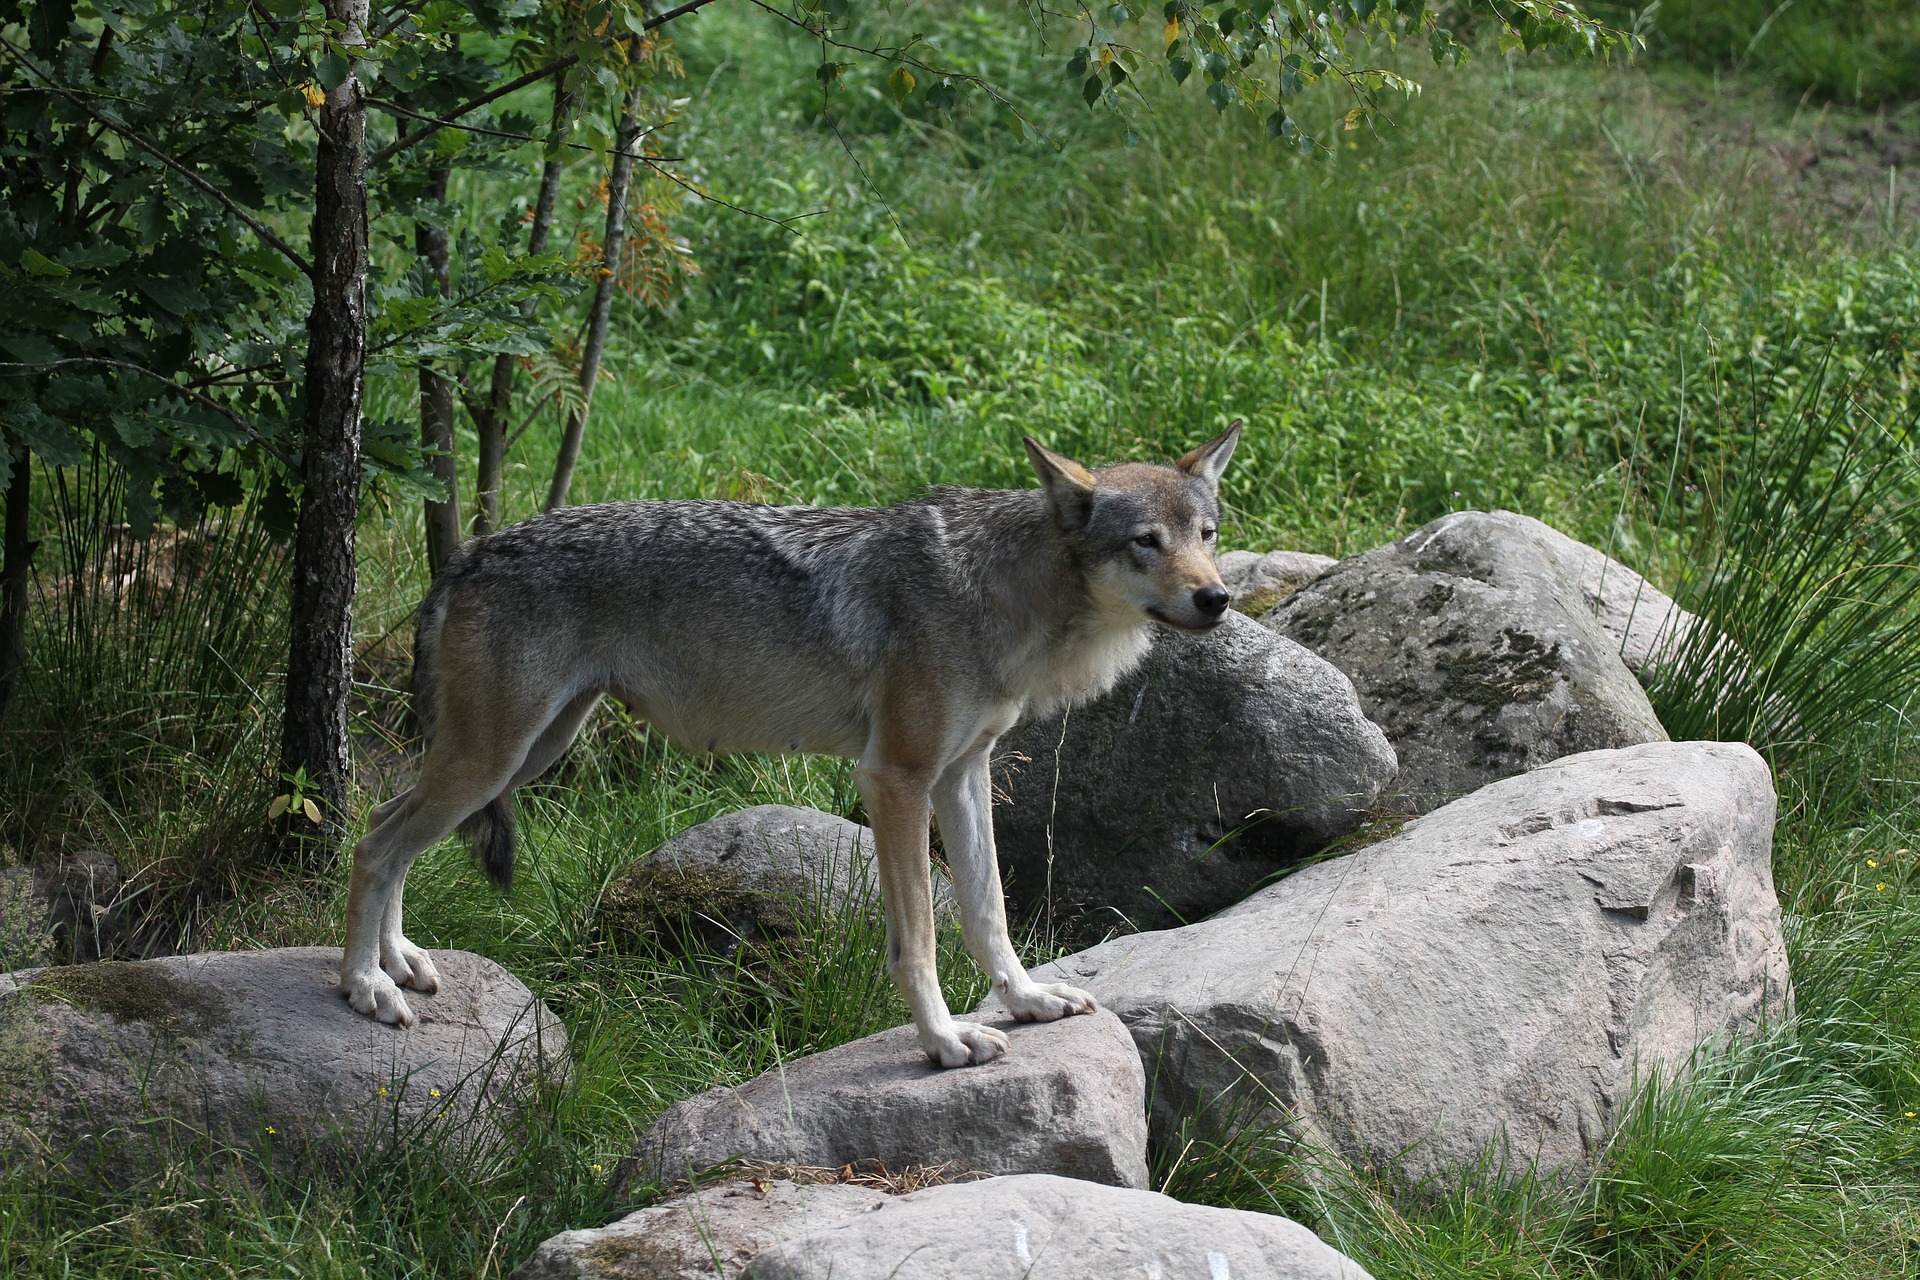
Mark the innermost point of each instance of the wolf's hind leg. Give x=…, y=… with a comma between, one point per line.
x=963, y=804
x=462, y=771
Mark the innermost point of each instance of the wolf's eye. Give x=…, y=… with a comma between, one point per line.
x=1147, y=540
x=1206, y=535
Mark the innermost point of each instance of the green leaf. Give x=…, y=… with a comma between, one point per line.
x=1275, y=123
x=1221, y=95
x=39, y=264
x=1091, y=90
x=330, y=69
x=1077, y=64
x=900, y=84
x=1180, y=69
x=1215, y=65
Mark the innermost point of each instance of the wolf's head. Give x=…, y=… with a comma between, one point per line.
x=1145, y=531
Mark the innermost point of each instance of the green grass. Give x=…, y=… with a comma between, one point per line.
x=1578, y=292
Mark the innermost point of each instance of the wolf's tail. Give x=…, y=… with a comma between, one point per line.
x=490, y=829
x=490, y=832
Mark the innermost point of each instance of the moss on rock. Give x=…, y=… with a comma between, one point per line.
x=131, y=993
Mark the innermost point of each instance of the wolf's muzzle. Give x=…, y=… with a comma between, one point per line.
x=1212, y=601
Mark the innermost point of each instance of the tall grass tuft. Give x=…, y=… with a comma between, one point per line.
x=147, y=707
x=1808, y=562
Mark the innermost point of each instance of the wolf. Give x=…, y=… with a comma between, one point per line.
x=908, y=637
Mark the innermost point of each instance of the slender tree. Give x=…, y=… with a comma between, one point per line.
x=436, y=395
x=626, y=142
x=313, y=741
x=490, y=420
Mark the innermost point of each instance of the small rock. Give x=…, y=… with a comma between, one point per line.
x=1069, y=1098
x=81, y=891
x=1040, y=1227
x=1474, y=651
x=1259, y=582
x=1494, y=978
x=1223, y=758
x=749, y=876
x=711, y=1232
x=123, y=1060
x=59, y=911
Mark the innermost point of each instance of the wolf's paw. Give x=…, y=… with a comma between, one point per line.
x=963, y=1044
x=376, y=995
x=1047, y=1002
x=409, y=966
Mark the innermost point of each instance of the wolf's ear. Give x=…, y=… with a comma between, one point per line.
x=1069, y=485
x=1209, y=461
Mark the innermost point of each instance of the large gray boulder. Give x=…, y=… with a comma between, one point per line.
x=1495, y=978
x=1222, y=759
x=1470, y=645
x=1644, y=622
x=752, y=875
x=1038, y=1227
x=1069, y=1098
x=119, y=1061
x=1027, y=1227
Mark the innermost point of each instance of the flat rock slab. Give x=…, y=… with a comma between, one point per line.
x=713, y=1232
x=1039, y=1227
x=1068, y=1098
x=1224, y=758
x=1494, y=978
x=1026, y=1227
x=106, y=1060
x=1470, y=642
x=754, y=874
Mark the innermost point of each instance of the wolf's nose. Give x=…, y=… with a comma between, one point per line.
x=1211, y=601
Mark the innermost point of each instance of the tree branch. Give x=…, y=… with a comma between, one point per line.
x=517, y=83
x=259, y=228
x=47, y=366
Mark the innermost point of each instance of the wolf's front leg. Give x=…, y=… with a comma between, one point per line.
x=963, y=802
x=363, y=981
x=897, y=804
x=406, y=964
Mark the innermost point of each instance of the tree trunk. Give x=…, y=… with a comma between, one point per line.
x=436, y=399
x=492, y=424
x=626, y=139
x=320, y=643
x=13, y=577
